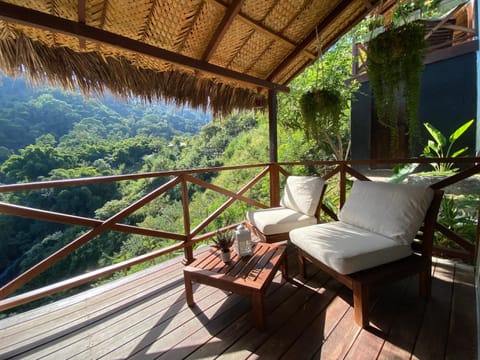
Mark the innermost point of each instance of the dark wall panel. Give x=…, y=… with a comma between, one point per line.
x=448, y=99
x=361, y=122
x=449, y=96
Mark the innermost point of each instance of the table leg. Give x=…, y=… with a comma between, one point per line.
x=258, y=315
x=188, y=289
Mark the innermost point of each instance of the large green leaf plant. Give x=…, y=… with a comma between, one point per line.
x=440, y=147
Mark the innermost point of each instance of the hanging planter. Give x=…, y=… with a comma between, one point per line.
x=320, y=108
x=395, y=65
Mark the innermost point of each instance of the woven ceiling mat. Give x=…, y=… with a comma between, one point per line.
x=93, y=73
x=208, y=17
x=126, y=17
x=171, y=23
x=327, y=37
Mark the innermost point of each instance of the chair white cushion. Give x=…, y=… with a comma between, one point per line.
x=346, y=248
x=392, y=210
x=278, y=220
x=302, y=193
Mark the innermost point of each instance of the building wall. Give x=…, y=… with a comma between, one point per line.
x=448, y=99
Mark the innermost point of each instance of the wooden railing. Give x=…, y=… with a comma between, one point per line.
x=337, y=173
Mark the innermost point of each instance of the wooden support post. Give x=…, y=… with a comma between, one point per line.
x=188, y=250
x=273, y=148
x=274, y=185
x=272, y=125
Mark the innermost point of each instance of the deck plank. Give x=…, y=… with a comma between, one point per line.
x=401, y=338
x=223, y=340
x=86, y=308
x=320, y=328
x=251, y=341
x=430, y=343
x=370, y=341
x=312, y=310
x=461, y=332
x=145, y=316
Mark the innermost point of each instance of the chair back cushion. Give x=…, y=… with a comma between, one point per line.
x=393, y=210
x=302, y=193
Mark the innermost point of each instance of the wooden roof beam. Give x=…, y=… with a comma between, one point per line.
x=222, y=28
x=29, y=17
x=331, y=43
x=81, y=14
x=313, y=35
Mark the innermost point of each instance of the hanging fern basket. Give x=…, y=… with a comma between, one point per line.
x=395, y=64
x=321, y=109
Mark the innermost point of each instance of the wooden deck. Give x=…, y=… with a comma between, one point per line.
x=144, y=316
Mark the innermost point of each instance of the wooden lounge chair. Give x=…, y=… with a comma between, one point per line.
x=376, y=240
x=300, y=206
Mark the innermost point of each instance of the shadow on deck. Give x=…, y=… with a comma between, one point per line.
x=145, y=316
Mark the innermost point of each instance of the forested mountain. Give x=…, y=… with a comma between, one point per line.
x=48, y=134
x=27, y=113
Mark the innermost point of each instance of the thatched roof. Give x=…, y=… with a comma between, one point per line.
x=204, y=53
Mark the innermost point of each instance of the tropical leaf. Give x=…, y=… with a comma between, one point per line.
x=436, y=134
x=459, y=132
x=459, y=152
x=433, y=149
x=401, y=172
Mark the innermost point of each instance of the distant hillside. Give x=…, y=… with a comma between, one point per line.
x=27, y=113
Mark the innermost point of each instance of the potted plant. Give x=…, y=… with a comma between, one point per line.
x=320, y=108
x=223, y=242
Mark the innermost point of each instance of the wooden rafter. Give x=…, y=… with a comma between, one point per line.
x=258, y=26
x=29, y=17
x=326, y=46
x=272, y=42
x=81, y=14
x=222, y=28
x=312, y=36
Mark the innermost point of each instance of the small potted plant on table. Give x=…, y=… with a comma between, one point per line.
x=223, y=242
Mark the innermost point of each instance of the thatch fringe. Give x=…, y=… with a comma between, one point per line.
x=91, y=72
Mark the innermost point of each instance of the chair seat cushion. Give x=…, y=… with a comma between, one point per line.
x=278, y=220
x=346, y=248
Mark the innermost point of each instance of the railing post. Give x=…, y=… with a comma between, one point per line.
x=188, y=250
x=343, y=183
x=272, y=125
x=274, y=185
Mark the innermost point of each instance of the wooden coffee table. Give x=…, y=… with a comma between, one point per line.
x=247, y=276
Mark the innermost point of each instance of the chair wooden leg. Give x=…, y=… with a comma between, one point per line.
x=301, y=265
x=284, y=268
x=425, y=283
x=361, y=304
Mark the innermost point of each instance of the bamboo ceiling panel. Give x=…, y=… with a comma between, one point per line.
x=225, y=53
